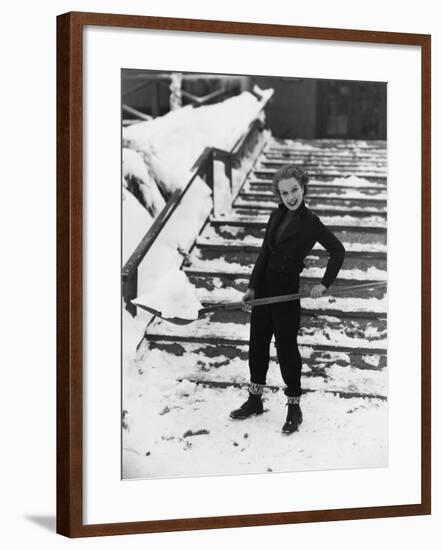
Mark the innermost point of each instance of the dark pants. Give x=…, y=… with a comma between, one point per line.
x=281, y=320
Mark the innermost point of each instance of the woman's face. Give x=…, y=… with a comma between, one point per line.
x=291, y=193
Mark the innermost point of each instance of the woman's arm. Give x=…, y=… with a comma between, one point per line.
x=261, y=261
x=336, y=250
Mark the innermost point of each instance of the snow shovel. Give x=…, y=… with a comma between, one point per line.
x=227, y=306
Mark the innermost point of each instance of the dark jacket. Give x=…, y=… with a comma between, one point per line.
x=295, y=244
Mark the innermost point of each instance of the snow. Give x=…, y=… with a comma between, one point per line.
x=173, y=142
x=347, y=182
x=211, y=237
x=347, y=220
x=221, y=265
x=372, y=360
x=135, y=168
x=377, y=305
x=190, y=422
x=206, y=329
x=331, y=303
x=163, y=150
x=172, y=296
x=262, y=204
x=140, y=221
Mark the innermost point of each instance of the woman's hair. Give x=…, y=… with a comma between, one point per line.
x=290, y=171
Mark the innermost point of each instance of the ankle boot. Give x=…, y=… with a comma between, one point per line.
x=252, y=406
x=294, y=418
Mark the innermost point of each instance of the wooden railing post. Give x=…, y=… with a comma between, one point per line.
x=222, y=193
x=130, y=287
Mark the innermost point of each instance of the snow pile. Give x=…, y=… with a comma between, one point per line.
x=172, y=296
x=172, y=143
x=137, y=180
x=133, y=334
x=167, y=253
x=136, y=220
x=163, y=151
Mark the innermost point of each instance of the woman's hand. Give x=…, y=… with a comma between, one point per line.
x=248, y=295
x=317, y=291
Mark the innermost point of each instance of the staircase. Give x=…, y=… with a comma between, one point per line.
x=342, y=339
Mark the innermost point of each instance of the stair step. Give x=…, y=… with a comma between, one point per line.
x=246, y=256
x=334, y=223
x=329, y=194
x=313, y=323
x=239, y=282
x=355, y=307
x=324, y=187
x=326, y=165
x=343, y=394
x=254, y=244
x=336, y=185
x=319, y=207
x=329, y=173
x=324, y=156
x=341, y=339
x=331, y=145
x=335, y=373
x=232, y=359
x=348, y=234
x=321, y=180
x=222, y=266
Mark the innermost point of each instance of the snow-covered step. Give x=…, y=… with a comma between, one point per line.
x=313, y=324
x=348, y=234
x=319, y=187
x=331, y=194
x=344, y=337
x=372, y=223
x=347, y=391
x=322, y=371
x=377, y=250
x=209, y=357
x=343, y=146
x=341, y=155
x=336, y=306
x=330, y=172
x=247, y=255
x=326, y=165
x=321, y=207
x=239, y=282
x=321, y=181
x=222, y=266
x=377, y=159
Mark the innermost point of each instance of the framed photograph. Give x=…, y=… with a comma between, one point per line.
x=243, y=274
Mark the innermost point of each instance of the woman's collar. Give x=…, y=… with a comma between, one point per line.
x=301, y=208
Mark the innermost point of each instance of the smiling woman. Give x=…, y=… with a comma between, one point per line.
x=292, y=231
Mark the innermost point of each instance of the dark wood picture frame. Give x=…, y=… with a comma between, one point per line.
x=70, y=266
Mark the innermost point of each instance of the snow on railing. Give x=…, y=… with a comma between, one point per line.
x=215, y=167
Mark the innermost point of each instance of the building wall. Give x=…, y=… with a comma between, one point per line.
x=292, y=111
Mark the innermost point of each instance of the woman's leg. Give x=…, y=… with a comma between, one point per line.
x=261, y=331
x=286, y=320
x=259, y=344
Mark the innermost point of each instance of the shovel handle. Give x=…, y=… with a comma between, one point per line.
x=227, y=306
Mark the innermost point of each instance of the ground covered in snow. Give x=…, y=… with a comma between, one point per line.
x=182, y=428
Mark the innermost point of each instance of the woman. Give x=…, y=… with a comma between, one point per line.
x=291, y=233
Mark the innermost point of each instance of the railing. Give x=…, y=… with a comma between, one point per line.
x=204, y=168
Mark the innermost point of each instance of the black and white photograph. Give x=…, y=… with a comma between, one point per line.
x=254, y=274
